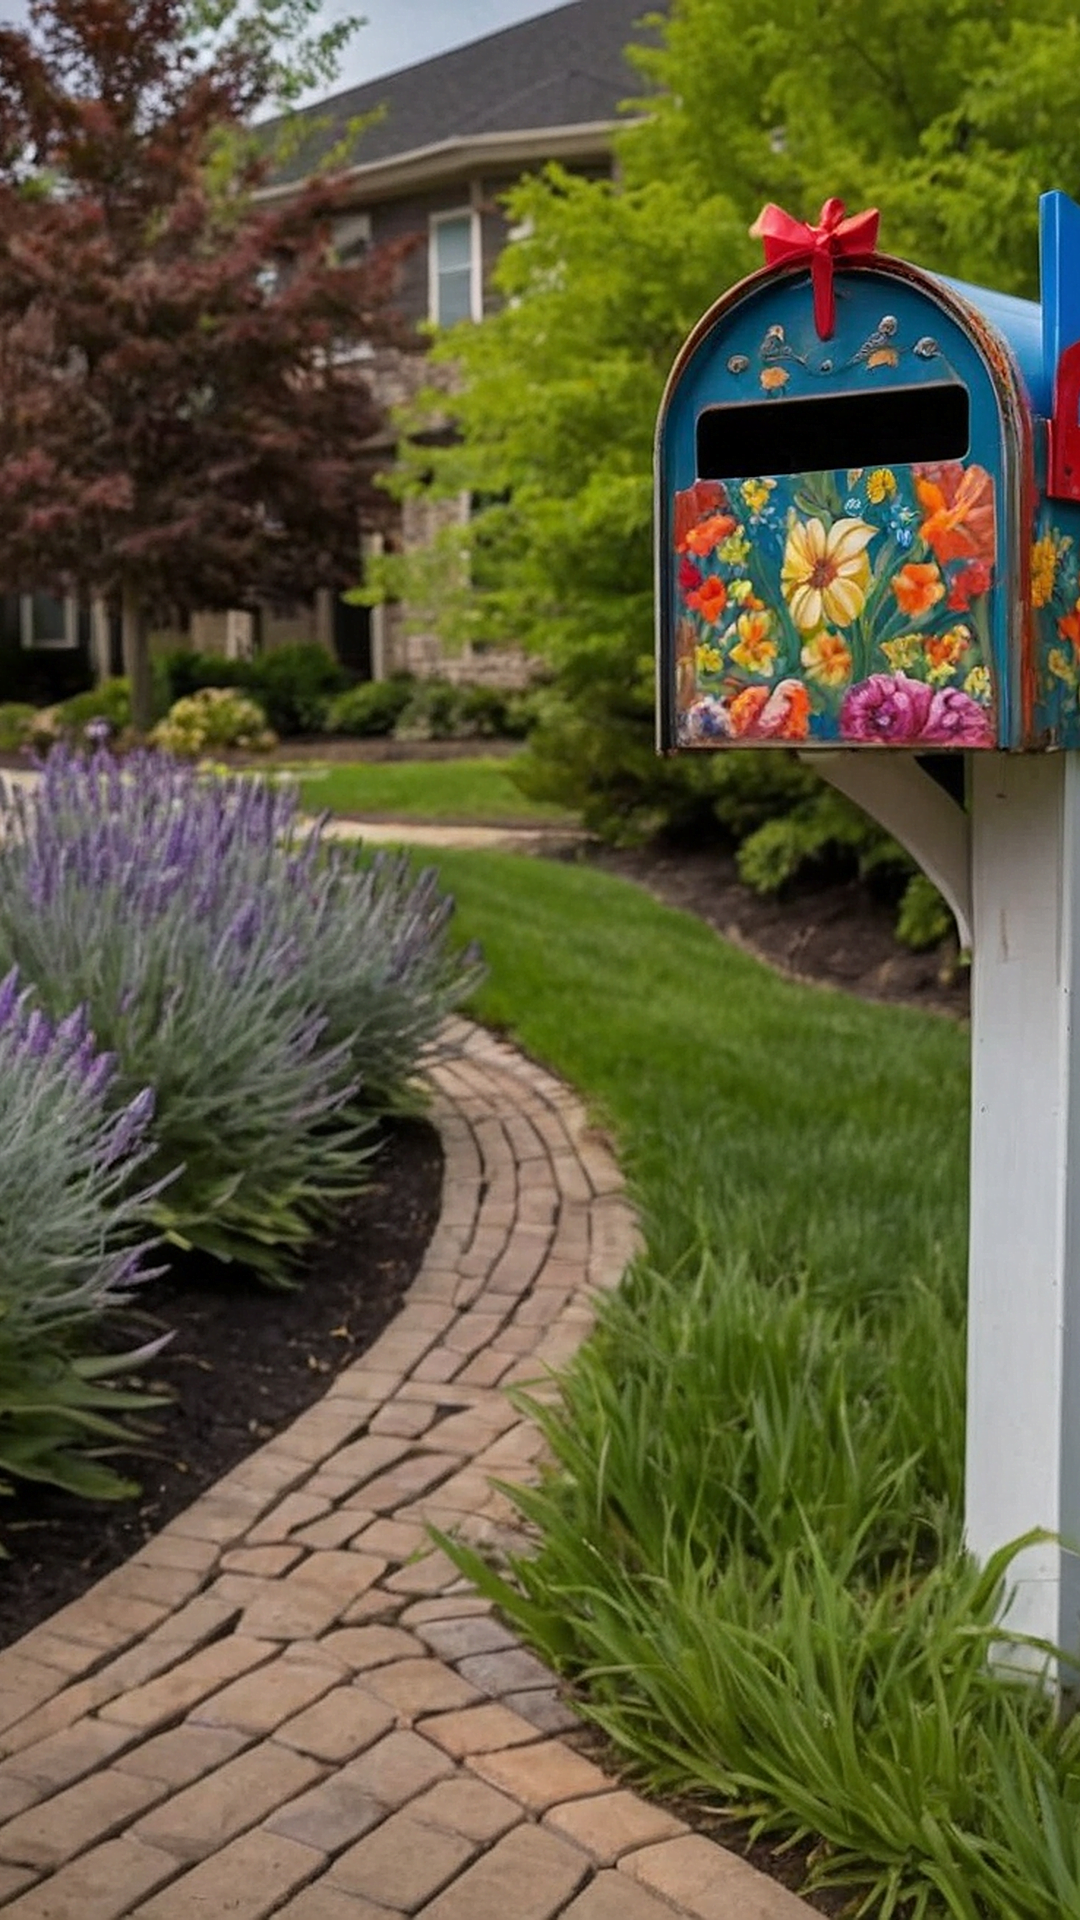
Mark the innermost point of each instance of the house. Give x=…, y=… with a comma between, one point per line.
x=443, y=140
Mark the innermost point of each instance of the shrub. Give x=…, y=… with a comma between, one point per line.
x=215, y=717
x=252, y=978
x=15, y=721
x=294, y=685
x=433, y=713
x=371, y=709
x=74, y=1235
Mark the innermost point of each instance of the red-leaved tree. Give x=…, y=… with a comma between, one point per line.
x=178, y=429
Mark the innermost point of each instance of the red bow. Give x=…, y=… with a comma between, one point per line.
x=834, y=238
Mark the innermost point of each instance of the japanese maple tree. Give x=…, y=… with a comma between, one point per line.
x=178, y=429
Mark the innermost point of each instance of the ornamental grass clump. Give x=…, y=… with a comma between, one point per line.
x=75, y=1235
x=275, y=995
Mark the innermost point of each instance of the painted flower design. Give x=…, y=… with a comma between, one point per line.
x=918, y=587
x=708, y=534
x=880, y=486
x=977, y=683
x=1069, y=628
x=904, y=652
x=692, y=505
x=894, y=710
x=708, y=659
x=709, y=599
x=967, y=585
x=783, y=714
x=756, y=493
x=825, y=575
x=756, y=650
x=773, y=378
x=958, y=504
x=944, y=651
x=689, y=577
x=956, y=720
x=889, y=708
x=827, y=658
x=1044, y=558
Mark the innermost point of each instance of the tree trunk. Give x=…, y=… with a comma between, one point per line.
x=99, y=640
x=136, y=644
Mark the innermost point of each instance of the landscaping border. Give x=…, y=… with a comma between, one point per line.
x=288, y=1702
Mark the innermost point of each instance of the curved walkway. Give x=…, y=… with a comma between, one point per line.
x=288, y=1703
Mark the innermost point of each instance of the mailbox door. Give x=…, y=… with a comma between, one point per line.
x=836, y=522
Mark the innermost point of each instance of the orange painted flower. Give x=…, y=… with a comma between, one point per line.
x=918, y=586
x=709, y=599
x=783, y=714
x=773, y=378
x=945, y=650
x=708, y=534
x=827, y=658
x=693, y=503
x=884, y=357
x=958, y=502
x=1069, y=628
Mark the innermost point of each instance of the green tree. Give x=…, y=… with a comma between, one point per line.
x=951, y=119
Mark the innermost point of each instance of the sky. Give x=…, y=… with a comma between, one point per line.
x=398, y=33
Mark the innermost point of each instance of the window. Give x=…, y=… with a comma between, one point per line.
x=46, y=620
x=352, y=238
x=454, y=260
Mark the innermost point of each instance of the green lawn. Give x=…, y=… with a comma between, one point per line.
x=749, y=1558
x=446, y=791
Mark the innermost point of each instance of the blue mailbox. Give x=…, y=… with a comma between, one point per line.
x=868, y=503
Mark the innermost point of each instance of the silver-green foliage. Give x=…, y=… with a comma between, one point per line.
x=273, y=994
x=75, y=1231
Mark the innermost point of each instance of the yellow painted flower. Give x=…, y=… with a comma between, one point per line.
x=773, y=378
x=756, y=494
x=709, y=659
x=827, y=658
x=1044, y=559
x=902, y=653
x=881, y=485
x=735, y=551
x=741, y=591
x=825, y=575
x=1060, y=664
x=755, y=651
x=978, y=683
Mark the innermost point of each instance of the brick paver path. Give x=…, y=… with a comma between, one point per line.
x=287, y=1703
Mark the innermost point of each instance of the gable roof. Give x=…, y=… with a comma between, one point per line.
x=563, y=72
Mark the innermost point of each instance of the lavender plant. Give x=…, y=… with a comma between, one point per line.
x=273, y=994
x=74, y=1237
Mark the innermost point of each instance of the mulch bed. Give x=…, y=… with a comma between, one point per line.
x=243, y=1365
x=833, y=933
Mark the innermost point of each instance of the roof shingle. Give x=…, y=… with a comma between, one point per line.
x=563, y=68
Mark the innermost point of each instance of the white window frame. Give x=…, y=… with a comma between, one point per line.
x=26, y=626
x=476, y=260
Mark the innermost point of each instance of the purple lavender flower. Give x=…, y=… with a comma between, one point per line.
x=888, y=707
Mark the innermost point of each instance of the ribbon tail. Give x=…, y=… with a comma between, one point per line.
x=821, y=280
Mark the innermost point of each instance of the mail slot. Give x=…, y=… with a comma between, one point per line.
x=868, y=503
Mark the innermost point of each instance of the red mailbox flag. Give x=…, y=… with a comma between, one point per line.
x=835, y=237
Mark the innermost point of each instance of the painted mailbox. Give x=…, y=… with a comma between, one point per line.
x=868, y=503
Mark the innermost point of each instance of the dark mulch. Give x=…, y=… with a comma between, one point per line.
x=833, y=932
x=244, y=1363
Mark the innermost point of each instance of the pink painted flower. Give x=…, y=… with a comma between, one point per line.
x=888, y=707
x=956, y=720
